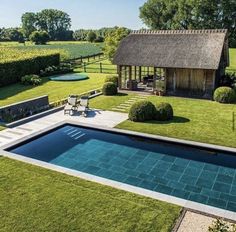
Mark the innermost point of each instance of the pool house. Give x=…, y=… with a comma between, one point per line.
x=173, y=62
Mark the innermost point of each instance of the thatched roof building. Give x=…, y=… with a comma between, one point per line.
x=176, y=50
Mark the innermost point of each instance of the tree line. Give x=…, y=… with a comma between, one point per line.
x=51, y=24
x=191, y=14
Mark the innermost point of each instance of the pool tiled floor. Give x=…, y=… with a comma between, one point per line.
x=198, y=181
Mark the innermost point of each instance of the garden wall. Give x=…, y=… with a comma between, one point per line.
x=12, y=71
x=23, y=109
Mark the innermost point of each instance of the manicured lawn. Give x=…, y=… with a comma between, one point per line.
x=36, y=199
x=94, y=66
x=55, y=90
x=197, y=120
x=108, y=102
x=232, y=52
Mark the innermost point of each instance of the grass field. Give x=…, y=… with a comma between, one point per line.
x=232, y=60
x=197, y=120
x=54, y=89
x=36, y=199
x=74, y=49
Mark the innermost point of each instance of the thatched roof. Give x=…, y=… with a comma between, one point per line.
x=197, y=49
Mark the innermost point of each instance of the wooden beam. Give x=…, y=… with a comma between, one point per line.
x=130, y=77
x=174, y=80
x=119, y=70
x=140, y=73
x=165, y=79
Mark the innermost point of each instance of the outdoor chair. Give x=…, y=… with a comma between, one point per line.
x=71, y=104
x=83, y=105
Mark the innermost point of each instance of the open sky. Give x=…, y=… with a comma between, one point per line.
x=84, y=13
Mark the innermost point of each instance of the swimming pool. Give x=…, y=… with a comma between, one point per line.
x=191, y=173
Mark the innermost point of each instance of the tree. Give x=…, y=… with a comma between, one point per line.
x=55, y=22
x=91, y=36
x=11, y=34
x=191, y=14
x=113, y=39
x=29, y=21
x=39, y=37
x=82, y=34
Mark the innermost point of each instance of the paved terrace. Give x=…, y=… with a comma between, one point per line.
x=95, y=117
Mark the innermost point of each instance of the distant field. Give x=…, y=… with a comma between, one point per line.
x=74, y=49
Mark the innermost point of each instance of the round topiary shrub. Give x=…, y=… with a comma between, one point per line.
x=113, y=79
x=224, y=95
x=164, y=112
x=109, y=89
x=142, y=111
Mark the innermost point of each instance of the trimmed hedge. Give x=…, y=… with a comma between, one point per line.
x=109, y=89
x=12, y=71
x=224, y=95
x=113, y=79
x=164, y=112
x=142, y=111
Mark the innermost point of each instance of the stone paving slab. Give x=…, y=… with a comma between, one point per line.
x=95, y=117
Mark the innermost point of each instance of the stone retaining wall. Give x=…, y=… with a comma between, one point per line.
x=23, y=109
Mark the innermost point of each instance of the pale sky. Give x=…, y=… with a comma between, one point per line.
x=87, y=14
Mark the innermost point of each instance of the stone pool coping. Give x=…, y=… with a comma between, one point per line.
x=126, y=187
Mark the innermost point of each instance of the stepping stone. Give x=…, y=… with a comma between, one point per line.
x=119, y=109
x=131, y=101
x=122, y=107
x=127, y=105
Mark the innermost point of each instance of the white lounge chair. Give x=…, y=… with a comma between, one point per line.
x=83, y=105
x=71, y=104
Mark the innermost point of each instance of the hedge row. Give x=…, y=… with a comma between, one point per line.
x=12, y=71
x=13, y=68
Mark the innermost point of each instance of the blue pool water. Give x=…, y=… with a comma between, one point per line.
x=207, y=177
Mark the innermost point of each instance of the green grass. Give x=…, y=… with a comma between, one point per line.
x=232, y=60
x=36, y=199
x=2, y=128
x=197, y=120
x=94, y=67
x=108, y=102
x=54, y=89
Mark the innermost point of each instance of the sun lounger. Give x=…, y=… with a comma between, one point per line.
x=83, y=105
x=71, y=104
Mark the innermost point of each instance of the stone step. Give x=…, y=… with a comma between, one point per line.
x=123, y=110
x=123, y=104
x=122, y=107
x=131, y=100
